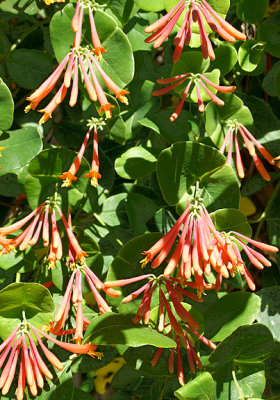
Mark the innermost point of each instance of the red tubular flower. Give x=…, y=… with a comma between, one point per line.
x=85, y=59
x=250, y=142
x=201, y=249
x=32, y=368
x=185, y=341
x=94, y=174
x=175, y=293
x=70, y=175
x=198, y=81
x=197, y=11
x=77, y=299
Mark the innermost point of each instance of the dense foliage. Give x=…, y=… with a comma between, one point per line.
x=140, y=208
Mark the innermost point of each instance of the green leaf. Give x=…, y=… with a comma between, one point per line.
x=6, y=107
x=243, y=352
x=29, y=68
x=227, y=220
x=185, y=163
x=230, y=312
x=147, y=5
x=13, y=142
x=111, y=328
x=140, y=209
x=18, y=261
x=202, y=388
x=43, y=176
x=249, y=55
x=135, y=30
x=118, y=64
x=135, y=163
x=250, y=11
x=269, y=313
x=269, y=33
x=269, y=80
x=226, y=58
x=84, y=363
x=33, y=299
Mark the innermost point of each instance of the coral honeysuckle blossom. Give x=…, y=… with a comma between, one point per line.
x=83, y=58
x=82, y=322
x=175, y=293
x=200, y=82
x=196, y=11
x=20, y=346
x=250, y=143
x=93, y=174
x=201, y=248
x=40, y=225
x=186, y=342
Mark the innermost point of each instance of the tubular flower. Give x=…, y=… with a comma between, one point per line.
x=250, y=143
x=84, y=59
x=93, y=174
x=199, y=82
x=175, y=293
x=196, y=11
x=77, y=299
x=40, y=225
x=184, y=341
x=70, y=175
x=201, y=248
x=21, y=346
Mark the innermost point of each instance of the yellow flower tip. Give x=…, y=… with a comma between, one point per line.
x=94, y=175
x=44, y=118
x=51, y=263
x=28, y=108
x=68, y=178
x=81, y=257
x=200, y=292
x=78, y=340
x=121, y=96
x=46, y=328
x=1, y=148
x=144, y=262
x=98, y=52
x=240, y=268
x=107, y=110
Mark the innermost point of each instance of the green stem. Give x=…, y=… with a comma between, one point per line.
x=17, y=277
x=108, y=228
x=264, y=214
x=163, y=389
x=240, y=391
x=22, y=37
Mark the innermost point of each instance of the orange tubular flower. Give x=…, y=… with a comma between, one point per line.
x=77, y=300
x=175, y=293
x=197, y=11
x=185, y=340
x=199, y=81
x=69, y=176
x=201, y=248
x=94, y=174
x=32, y=367
x=250, y=142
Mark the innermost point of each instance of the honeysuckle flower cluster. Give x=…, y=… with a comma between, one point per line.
x=201, y=249
x=83, y=58
x=93, y=174
x=175, y=293
x=20, y=346
x=74, y=287
x=40, y=226
x=250, y=142
x=186, y=342
x=197, y=80
x=167, y=318
x=196, y=11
